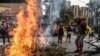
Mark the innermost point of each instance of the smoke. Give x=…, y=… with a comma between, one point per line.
x=55, y=8
x=54, y=14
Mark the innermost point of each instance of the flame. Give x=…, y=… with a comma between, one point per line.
x=24, y=40
x=42, y=40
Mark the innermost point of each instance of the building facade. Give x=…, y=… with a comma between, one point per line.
x=80, y=11
x=75, y=9
x=94, y=7
x=84, y=12
x=13, y=5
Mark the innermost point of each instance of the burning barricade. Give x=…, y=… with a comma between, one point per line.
x=25, y=42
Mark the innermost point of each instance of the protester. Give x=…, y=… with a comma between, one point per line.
x=60, y=33
x=90, y=32
x=81, y=25
x=55, y=30
x=3, y=32
x=68, y=33
x=5, y=28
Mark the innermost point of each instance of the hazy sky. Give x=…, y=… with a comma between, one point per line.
x=79, y=2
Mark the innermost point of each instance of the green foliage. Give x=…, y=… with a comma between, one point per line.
x=66, y=15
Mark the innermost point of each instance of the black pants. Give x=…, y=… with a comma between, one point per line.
x=91, y=35
x=79, y=41
x=4, y=36
x=60, y=39
x=68, y=36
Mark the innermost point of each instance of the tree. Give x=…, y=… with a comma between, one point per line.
x=66, y=15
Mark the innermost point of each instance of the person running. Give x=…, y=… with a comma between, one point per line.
x=81, y=25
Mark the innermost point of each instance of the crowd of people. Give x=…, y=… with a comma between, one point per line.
x=81, y=29
x=5, y=27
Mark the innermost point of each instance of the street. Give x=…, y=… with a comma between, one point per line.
x=69, y=45
x=1, y=41
x=38, y=24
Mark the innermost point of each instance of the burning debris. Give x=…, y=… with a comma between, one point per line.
x=53, y=50
x=24, y=40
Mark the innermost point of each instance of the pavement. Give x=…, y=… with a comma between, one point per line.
x=70, y=46
x=1, y=41
x=2, y=46
x=91, y=51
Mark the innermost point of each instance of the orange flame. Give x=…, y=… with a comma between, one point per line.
x=24, y=41
x=42, y=40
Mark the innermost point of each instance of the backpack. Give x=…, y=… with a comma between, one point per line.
x=60, y=31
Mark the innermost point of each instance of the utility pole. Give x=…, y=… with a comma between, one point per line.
x=96, y=17
x=93, y=6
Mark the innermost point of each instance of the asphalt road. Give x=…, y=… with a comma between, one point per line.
x=70, y=46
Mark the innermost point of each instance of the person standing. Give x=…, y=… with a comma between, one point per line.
x=60, y=33
x=68, y=33
x=81, y=25
x=3, y=32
